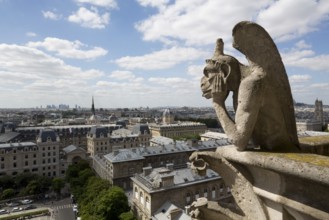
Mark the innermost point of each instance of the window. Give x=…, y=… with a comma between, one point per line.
x=26, y=156
x=14, y=157
x=26, y=163
x=141, y=198
x=205, y=193
x=197, y=195
x=213, y=192
x=148, y=204
x=34, y=162
x=188, y=198
x=14, y=164
x=136, y=193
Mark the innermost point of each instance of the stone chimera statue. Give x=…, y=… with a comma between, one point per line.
x=261, y=92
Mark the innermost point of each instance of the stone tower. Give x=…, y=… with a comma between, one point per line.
x=93, y=106
x=168, y=117
x=318, y=112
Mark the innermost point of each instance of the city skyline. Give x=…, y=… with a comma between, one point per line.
x=147, y=52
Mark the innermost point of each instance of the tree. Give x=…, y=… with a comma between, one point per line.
x=23, y=179
x=127, y=216
x=6, y=182
x=112, y=203
x=58, y=184
x=32, y=188
x=7, y=193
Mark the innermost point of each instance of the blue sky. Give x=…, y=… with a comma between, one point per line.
x=134, y=53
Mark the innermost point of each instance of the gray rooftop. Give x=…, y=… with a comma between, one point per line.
x=182, y=177
x=122, y=155
x=8, y=136
x=20, y=144
x=69, y=148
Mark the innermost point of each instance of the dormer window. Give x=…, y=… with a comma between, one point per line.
x=48, y=139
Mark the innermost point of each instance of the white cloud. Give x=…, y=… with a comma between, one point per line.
x=90, y=18
x=173, y=82
x=51, y=15
x=195, y=70
x=160, y=4
x=35, y=64
x=320, y=85
x=122, y=75
x=302, y=45
x=197, y=21
x=299, y=78
x=306, y=59
x=31, y=34
x=100, y=3
x=160, y=59
x=68, y=49
x=287, y=19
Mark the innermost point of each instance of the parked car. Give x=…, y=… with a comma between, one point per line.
x=29, y=207
x=17, y=209
x=3, y=211
x=12, y=204
x=26, y=201
x=75, y=208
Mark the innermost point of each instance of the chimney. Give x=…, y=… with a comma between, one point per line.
x=167, y=180
x=175, y=213
x=147, y=170
x=170, y=166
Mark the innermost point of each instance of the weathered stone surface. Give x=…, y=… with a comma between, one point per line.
x=272, y=181
x=261, y=92
x=268, y=185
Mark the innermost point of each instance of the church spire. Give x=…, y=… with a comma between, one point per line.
x=93, y=106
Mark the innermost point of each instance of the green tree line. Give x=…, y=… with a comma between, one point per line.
x=96, y=198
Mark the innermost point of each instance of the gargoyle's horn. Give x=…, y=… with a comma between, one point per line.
x=219, y=49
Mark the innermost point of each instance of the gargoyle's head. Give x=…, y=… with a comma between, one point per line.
x=215, y=77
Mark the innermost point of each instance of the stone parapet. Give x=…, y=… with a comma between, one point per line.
x=269, y=185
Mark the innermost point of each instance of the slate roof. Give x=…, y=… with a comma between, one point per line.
x=164, y=211
x=69, y=148
x=97, y=131
x=17, y=145
x=7, y=137
x=123, y=155
x=182, y=178
x=47, y=133
x=141, y=129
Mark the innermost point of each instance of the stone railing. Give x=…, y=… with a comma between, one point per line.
x=268, y=185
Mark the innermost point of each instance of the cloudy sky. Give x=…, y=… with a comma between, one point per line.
x=133, y=53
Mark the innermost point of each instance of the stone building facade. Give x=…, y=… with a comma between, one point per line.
x=119, y=165
x=42, y=157
x=101, y=142
x=69, y=134
x=155, y=187
x=177, y=130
